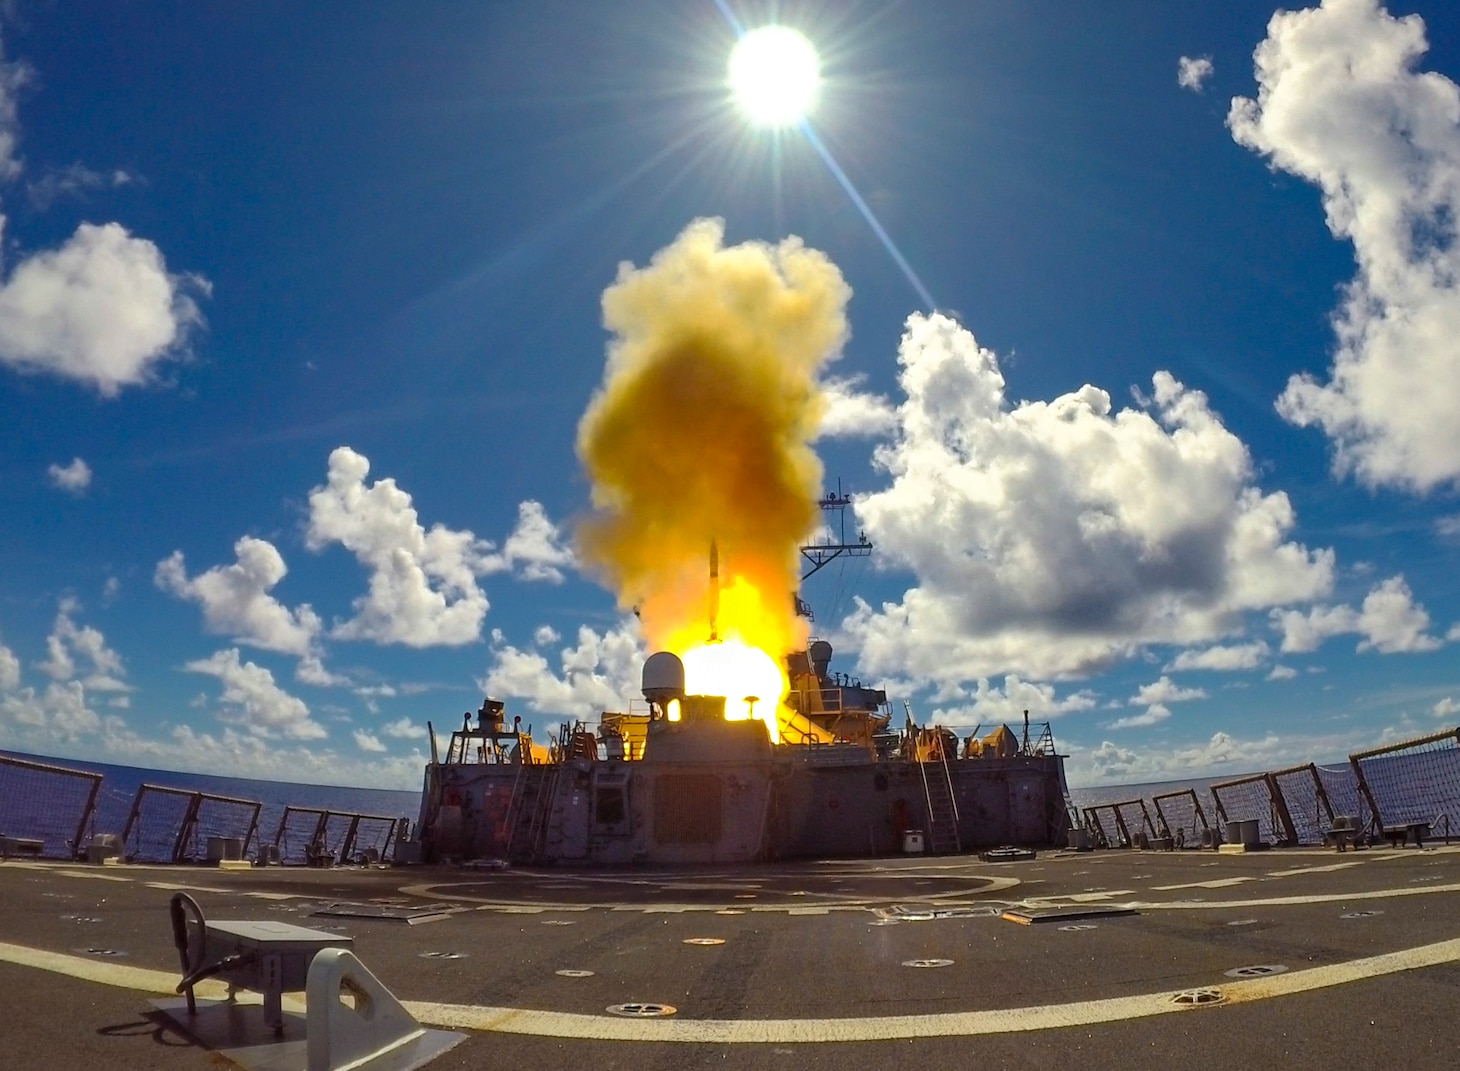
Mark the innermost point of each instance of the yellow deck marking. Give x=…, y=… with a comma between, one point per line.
x=97, y=874
x=451, y=890
x=787, y=1031
x=1215, y=883
x=1299, y=870
x=1083, y=897
x=1289, y=901
x=172, y=886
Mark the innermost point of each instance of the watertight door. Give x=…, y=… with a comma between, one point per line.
x=1027, y=819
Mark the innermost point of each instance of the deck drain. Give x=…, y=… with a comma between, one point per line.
x=704, y=940
x=569, y=972
x=1079, y=926
x=1243, y=922
x=927, y=963
x=443, y=955
x=640, y=1010
x=113, y=952
x=1361, y=914
x=1257, y=970
x=80, y=918
x=559, y=922
x=1192, y=998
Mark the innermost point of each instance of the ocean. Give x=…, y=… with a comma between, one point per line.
x=48, y=807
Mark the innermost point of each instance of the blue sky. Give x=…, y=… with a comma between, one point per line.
x=300, y=310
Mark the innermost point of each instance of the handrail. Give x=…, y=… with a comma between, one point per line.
x=948, y=779
x=1435, y=821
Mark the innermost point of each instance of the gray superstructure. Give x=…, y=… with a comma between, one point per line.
x=701, y=789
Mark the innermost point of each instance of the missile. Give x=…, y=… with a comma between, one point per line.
x=714, y=591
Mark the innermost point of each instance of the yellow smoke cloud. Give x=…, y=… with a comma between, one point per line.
x=702, y=430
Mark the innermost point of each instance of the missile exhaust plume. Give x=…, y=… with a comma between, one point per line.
x=700, y=437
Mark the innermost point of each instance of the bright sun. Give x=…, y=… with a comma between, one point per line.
x=775, y=73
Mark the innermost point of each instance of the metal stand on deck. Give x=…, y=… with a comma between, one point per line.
x=352, y=1020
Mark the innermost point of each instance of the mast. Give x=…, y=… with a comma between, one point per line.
x=821, y=553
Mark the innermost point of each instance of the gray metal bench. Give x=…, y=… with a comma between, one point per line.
x=21, y=846
x=1398, y=835
x=1345, y=830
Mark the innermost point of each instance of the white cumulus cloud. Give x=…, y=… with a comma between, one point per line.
x=252, y=700
x=1164, y=690
x=852, y=412
x=988, y=704
x=1154, y=714
x=1052, y=538
x=1221, y=657
x=1109, y=763
x=9, y=670
x=1341, y=103
x=423, y=590
x=73, y=180
x=404, y=729
x=1389, y=621
x=101, y=309
x=236, y=602
x=61, y=712
x=13, y=76
x=368, y=741
x=74, y=478
x=80, y=652
x=601, y=673
x=1192, y=72
x=535, y=550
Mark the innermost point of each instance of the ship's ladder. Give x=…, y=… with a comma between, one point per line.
x=943, y=836
x=532, y=805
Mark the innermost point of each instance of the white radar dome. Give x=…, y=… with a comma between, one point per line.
x=663, y=677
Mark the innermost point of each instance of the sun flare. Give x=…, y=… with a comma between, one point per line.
x=775, y=74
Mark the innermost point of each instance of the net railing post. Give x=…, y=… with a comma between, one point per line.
x=1376, y=820
x=349, y=843
x=133, y=815
x=253, y=826
x=1146, y=816
x=283, y=824
x=1290, y=832
x=1322, y=794
x=1222, y=818
x=187, y=826
x=1121, y=828
x=322, y=831
x=87, y=811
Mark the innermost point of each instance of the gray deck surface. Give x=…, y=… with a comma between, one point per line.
x=807, y=942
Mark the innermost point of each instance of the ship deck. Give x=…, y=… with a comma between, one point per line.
x=1318, y=959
